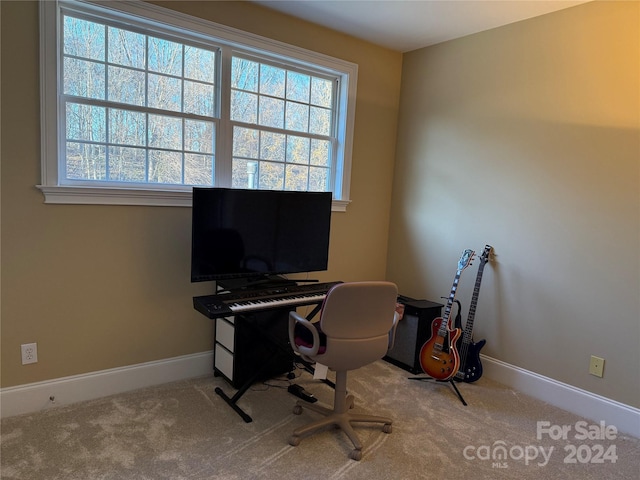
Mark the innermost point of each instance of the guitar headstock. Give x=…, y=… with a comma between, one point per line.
x=465, y=259
x=485, y=257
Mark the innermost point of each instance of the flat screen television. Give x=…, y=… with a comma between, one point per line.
x=258, y=234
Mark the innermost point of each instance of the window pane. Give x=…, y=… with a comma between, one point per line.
x=318, y=179
x=165, y=56
x=165, y=132
x=272, y=146
x=199, y=64
x=83, y=78
x=165, y=92
x=84, y=39
x=296, y=177
x=298, y=150
x=165, y=167
x=298, y=87
x=126, y=48
x=320, y=152
x=272, y=81
x=271, y=112
x=321, y=92
x=297, y=117
x=85, y=122
x=198, y=169
x=244, y=74
x=243, y=173
x=85, y=162
x=245, y=142
x=127, y=164
x=271, y=176
x=320, y=121
x=199, y=136
x=199, y=98
x=126, y=86
x=127, y=128
x=244, y=107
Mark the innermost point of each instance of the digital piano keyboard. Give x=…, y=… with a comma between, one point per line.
x=246, y=301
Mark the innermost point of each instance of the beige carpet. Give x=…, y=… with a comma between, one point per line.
x=183, y=430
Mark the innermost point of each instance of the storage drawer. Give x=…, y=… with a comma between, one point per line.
x=224, y=361
x=225, y=333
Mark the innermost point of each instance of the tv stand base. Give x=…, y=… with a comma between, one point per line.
x=268, y=281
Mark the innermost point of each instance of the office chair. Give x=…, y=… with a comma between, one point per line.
x=355, y=328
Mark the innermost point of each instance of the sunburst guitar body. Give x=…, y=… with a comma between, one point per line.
x=438, y=356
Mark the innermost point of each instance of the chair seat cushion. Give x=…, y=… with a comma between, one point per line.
x=303, y=337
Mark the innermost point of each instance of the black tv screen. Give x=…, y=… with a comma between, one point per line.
x=258, y=233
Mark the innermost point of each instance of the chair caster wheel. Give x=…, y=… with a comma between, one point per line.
x=294, y=441
x=387, y=428
x=297, y=410
x=356, y=455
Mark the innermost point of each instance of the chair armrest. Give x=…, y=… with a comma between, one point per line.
x=392, y=333
x=294, y=319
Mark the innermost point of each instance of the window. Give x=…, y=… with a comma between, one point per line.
x=140, y=104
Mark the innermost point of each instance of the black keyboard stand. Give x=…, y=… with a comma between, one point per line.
x=233, y=401
x=278, y=348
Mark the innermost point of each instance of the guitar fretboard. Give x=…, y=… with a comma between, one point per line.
x=442, y=331
x=468, y=328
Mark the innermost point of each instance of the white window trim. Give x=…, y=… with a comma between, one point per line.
x=167, y=195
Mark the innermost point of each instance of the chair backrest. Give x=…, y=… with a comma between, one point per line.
x=356, y=318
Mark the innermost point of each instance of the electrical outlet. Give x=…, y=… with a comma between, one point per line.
x=29, y=353
x=596, y=366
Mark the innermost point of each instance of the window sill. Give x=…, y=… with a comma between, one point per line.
x=115, y=196
x=68, y=195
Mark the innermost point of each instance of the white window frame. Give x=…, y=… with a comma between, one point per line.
x=227, y=37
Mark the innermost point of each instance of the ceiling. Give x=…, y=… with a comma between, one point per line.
x=406, y=25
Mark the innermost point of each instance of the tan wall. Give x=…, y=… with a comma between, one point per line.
x=527, y=137
x=99, y=287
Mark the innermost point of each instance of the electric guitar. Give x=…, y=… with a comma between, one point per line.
x=469, y=351
x=438, y=356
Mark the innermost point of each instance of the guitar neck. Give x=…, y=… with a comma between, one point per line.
x=463, y=263
x=444, y=326
x=468, y=329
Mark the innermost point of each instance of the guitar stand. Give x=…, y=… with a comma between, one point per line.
x=442, y=381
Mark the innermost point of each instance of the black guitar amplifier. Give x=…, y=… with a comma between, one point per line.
x=412, y=332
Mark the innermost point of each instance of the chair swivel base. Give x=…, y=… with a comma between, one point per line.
x=342, y=420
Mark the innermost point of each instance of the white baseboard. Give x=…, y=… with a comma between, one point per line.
x=34, y=397
x=575, y=400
